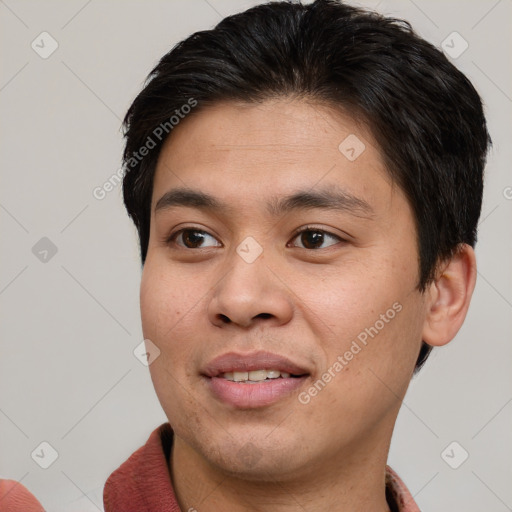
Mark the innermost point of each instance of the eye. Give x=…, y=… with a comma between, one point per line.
x=190, y=238
x=314, y=238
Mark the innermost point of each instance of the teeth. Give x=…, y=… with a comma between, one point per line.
x=255, y=375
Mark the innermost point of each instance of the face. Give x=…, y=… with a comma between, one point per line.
x=278, y=244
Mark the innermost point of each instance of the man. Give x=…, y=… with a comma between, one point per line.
x=306, y=181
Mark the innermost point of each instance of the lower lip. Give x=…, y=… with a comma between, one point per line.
x=260, y=394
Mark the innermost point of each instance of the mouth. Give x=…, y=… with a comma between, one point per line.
x=256, y=376
x=253, y=380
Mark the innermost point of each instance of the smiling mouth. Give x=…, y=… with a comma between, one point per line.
x=254, y=389
x=255, y=376
x=253, y=379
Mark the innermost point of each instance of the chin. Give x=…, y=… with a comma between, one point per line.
x=255, y=458
x=259, y=468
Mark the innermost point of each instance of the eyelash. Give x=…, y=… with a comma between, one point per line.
x=171, y=239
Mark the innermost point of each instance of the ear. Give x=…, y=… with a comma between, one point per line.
x=448, y=297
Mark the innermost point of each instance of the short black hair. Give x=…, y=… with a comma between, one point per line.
x=425, y=115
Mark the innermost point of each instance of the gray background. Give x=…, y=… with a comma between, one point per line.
x=70, y=323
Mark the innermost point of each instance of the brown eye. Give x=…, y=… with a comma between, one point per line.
x=315, y=238
x=192, y=238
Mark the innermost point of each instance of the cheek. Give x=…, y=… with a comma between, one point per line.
x=165, y=301
x=167, y=311
x=353, y=296
x=369, y=358
x=371, y=312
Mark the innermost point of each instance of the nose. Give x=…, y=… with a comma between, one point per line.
x=250, y=294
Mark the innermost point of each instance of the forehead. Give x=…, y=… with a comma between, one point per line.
x=271, y=148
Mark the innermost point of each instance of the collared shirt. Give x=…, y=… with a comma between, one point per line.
x=143, y=482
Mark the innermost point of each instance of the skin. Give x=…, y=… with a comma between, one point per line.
x=202, y=300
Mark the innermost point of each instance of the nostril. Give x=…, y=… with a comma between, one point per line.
x=264, y=315
x=225, y=319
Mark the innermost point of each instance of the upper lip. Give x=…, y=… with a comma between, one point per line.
x=236, y=361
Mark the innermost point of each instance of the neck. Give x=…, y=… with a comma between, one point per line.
x=352, y=482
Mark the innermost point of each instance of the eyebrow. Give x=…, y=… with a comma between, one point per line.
x=326, y=198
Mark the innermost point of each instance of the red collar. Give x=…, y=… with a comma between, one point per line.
x=143, y=482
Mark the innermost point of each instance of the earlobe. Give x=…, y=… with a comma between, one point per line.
x=449, y=297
